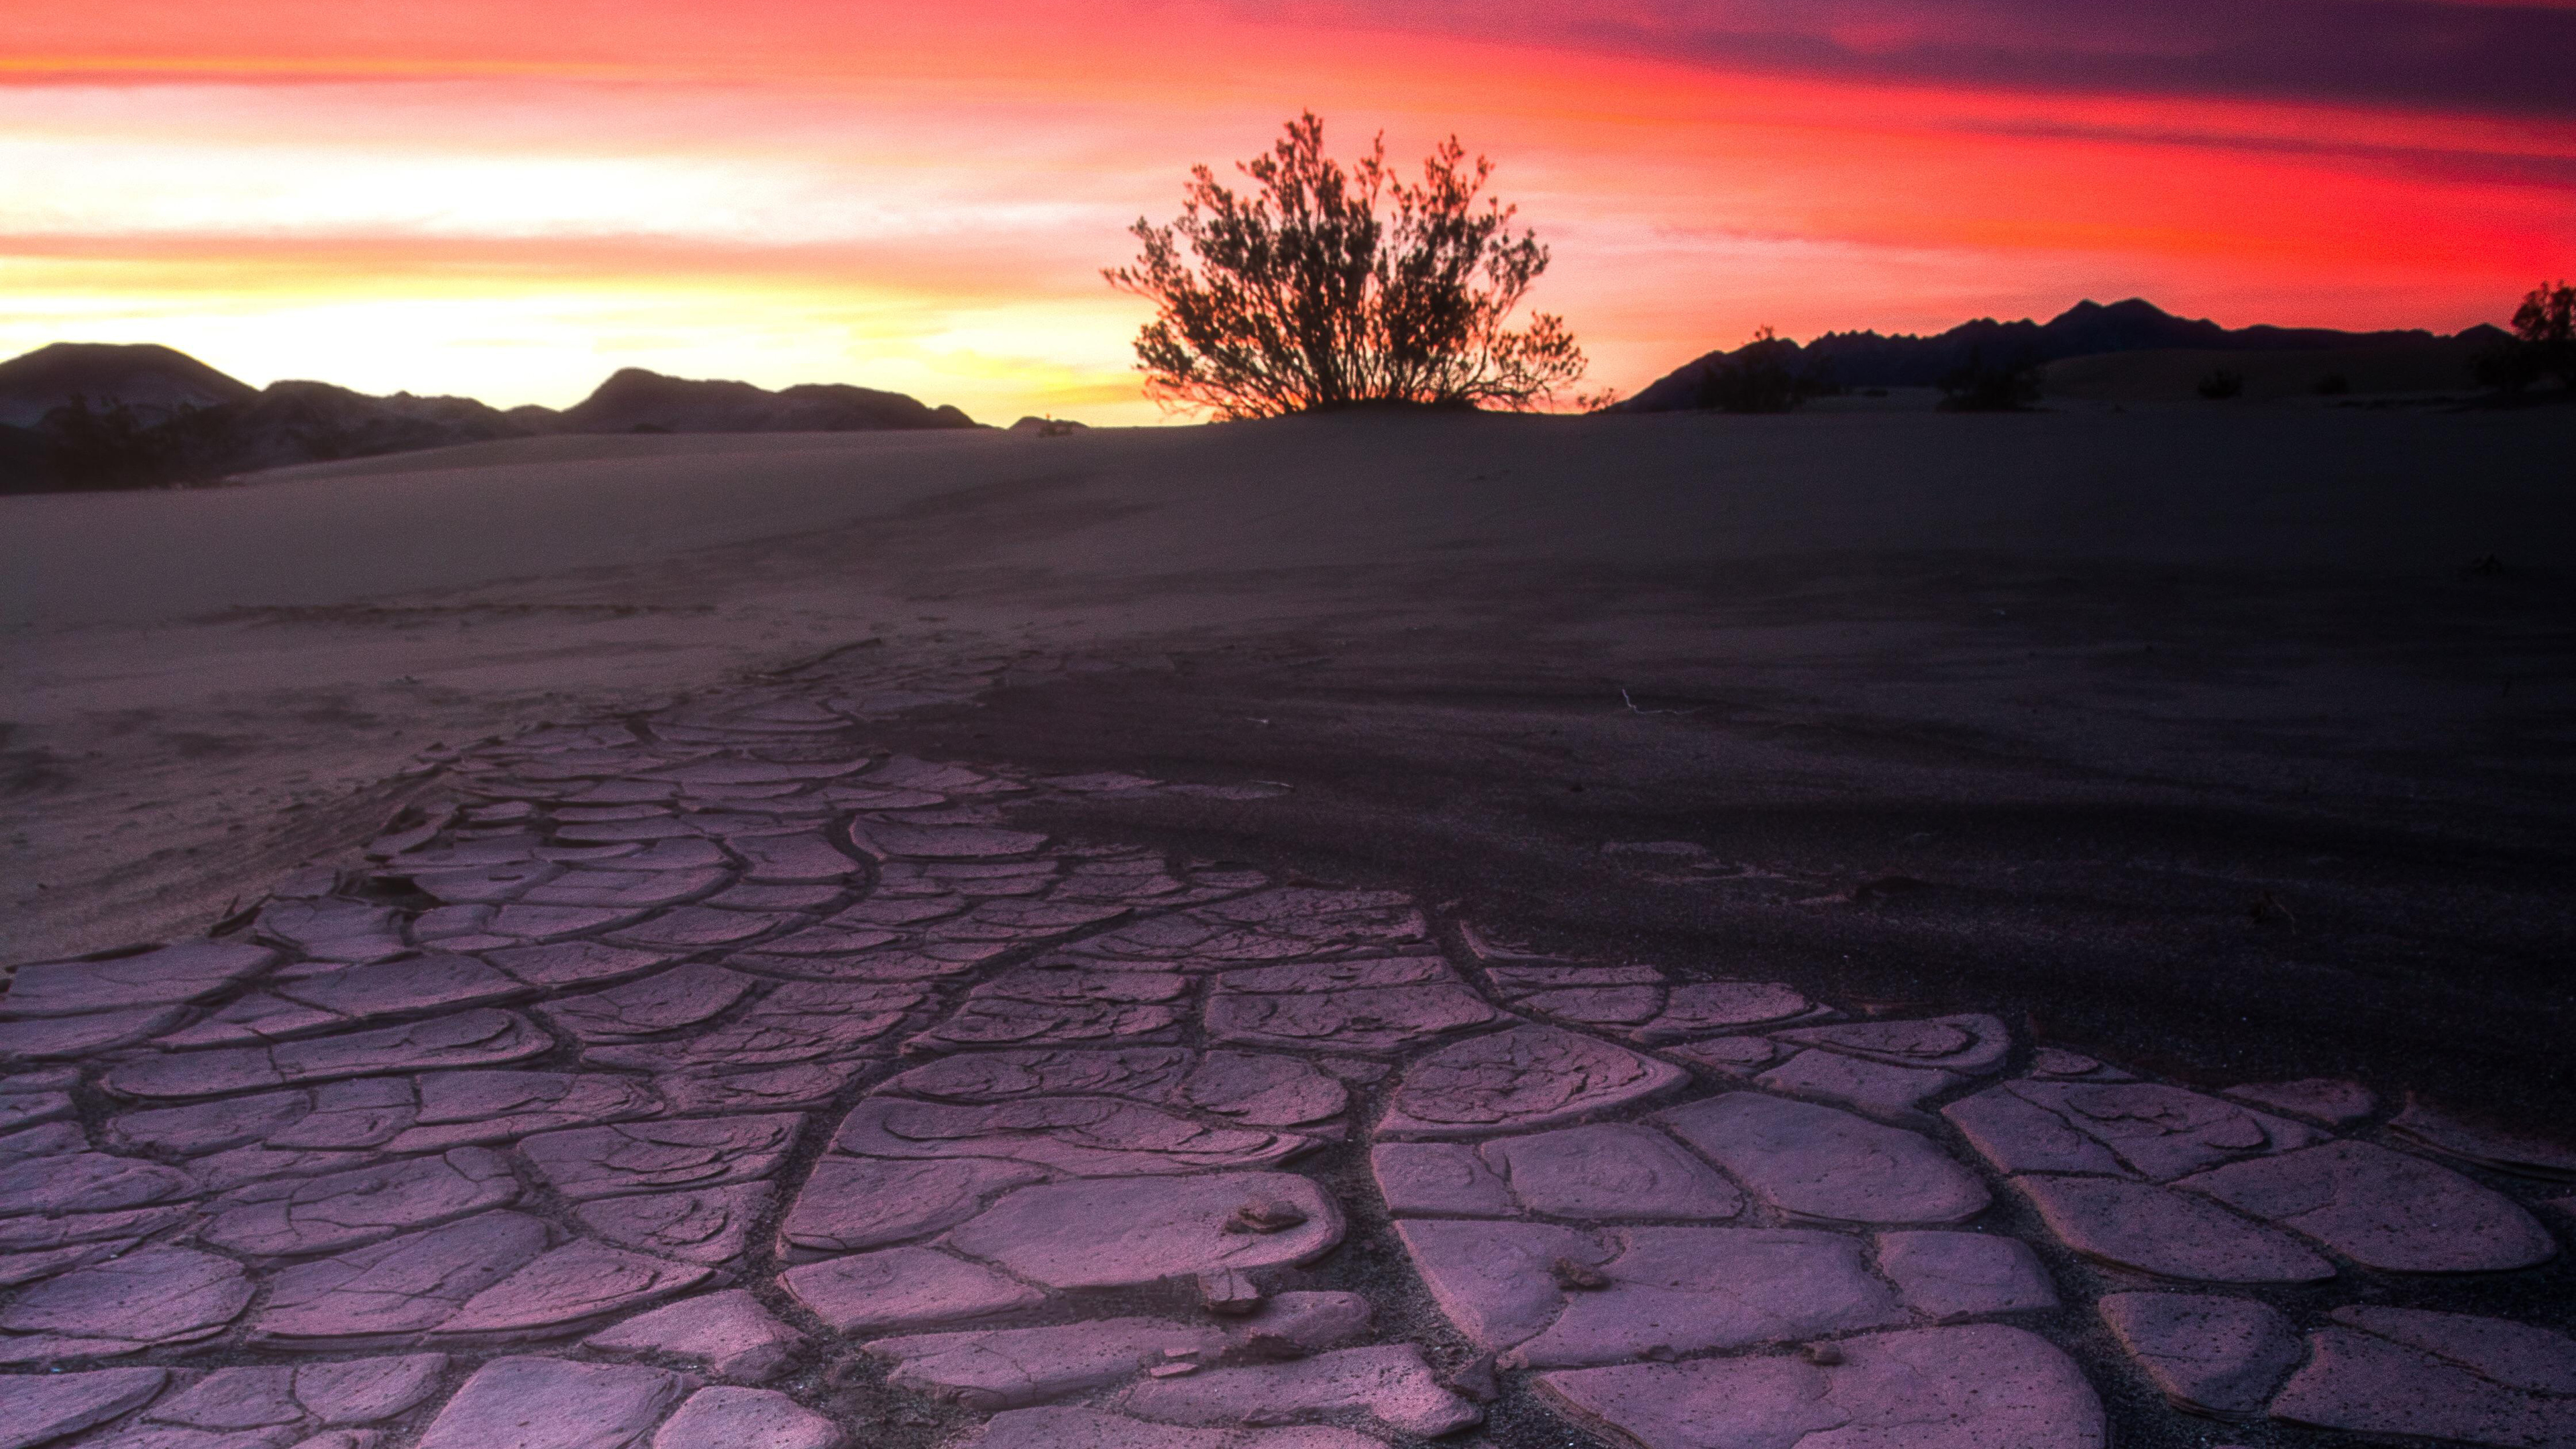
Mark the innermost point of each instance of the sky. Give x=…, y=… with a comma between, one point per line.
x=509, y=201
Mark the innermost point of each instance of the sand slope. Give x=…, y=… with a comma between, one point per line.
x=2105, y=679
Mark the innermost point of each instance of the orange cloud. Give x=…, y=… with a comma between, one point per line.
x=792, y=191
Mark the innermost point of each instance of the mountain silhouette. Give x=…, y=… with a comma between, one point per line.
x=150, y=379
x=635, y=400
x=80, y=414
x=1868, y=359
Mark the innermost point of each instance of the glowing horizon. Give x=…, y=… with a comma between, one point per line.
x=430, y=199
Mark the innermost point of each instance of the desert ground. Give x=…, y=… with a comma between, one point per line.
x=2123, y=758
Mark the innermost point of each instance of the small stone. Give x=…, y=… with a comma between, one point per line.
x=2219, y=1357
x=728, y=1333
x=1229, y=1293
x=1264, y=1216
x=1171, y=1370
x=729, y=1418
x=1570, y=1274
x=1824, y=1354
x=1817, y=1163
x=897, y=1288
x=547, y=1403
x=1475, y=1380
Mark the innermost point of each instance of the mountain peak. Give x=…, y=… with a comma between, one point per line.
x=145, y=376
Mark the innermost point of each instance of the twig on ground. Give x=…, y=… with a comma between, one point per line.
x=1633, y=709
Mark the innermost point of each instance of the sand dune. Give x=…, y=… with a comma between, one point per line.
x=2100, y=677
x=1116, y=506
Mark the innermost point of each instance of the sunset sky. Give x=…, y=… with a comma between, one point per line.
x=509, y=200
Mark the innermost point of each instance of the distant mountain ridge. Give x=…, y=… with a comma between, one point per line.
x=636, y=400
x=103, y=414
x=1869, y=359
x=140, y=375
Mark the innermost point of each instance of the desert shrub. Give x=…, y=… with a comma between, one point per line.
x=2221, y=385
x=1327, y=288
x=1761, y=377
x=2333, y=384
x=2543, y=342
x=113, y=446
x=1979, y=386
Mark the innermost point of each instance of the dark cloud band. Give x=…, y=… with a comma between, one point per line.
x=2416, y=54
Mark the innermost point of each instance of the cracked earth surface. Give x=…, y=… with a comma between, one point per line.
x=718, y=1079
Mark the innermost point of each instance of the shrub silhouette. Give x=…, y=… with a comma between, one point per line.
x=1323, y=288
x=116, y=447
x=2222, y=384
x=2543, y=343
x=1977, y=386
x=1758, y=378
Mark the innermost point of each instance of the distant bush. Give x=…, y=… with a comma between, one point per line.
x=116, y=446
x=2543, y=342
x=2333, y=384
x=1979, y=386
x=2222, y=384
x=1328, y=288
x=1761, y=377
